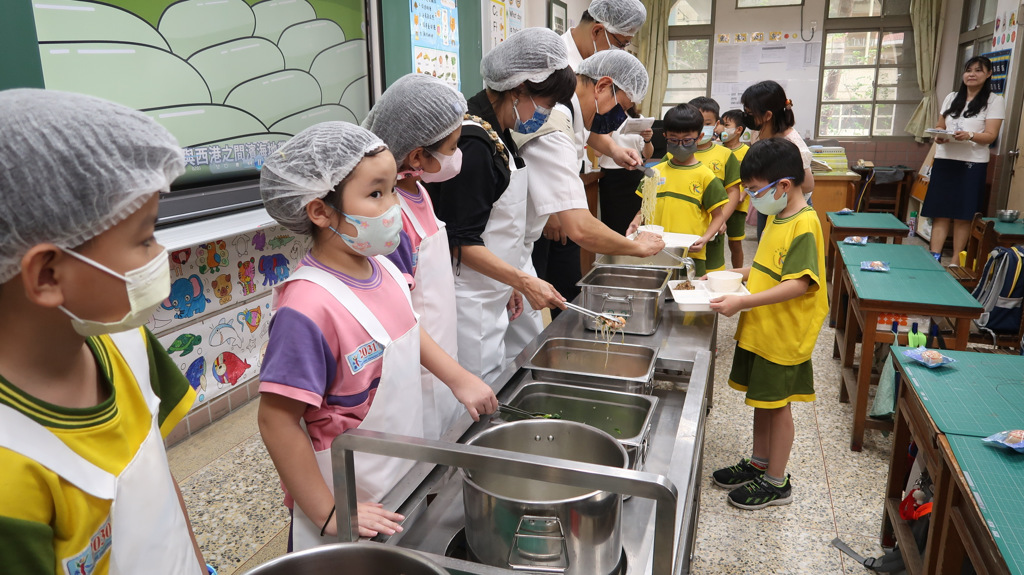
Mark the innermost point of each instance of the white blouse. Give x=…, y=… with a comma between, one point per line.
x=966, y=150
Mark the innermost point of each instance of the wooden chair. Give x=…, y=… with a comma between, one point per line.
x=980, y=243
x=893, y=202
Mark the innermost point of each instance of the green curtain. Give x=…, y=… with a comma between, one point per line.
x=927, y=17
x=653, y=52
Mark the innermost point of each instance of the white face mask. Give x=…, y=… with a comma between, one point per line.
x=706, y=133
x=450, y=166
x=726, y=135
x=377, y=236
x=147, y=287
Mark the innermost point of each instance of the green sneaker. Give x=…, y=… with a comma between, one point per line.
x=736, y=475
x=760, y=493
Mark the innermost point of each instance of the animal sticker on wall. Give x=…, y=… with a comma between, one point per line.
x=187, y=298
x=212, y=256
x=196, y=376
x=178, y=259
x=250, y=318
x=222, y=288
x=184, y=343
x=279, y=242
x=228, y=368
x=259, y=240
x=225, y=334
x=274, y=268
x=247, y=276
x=241, y=243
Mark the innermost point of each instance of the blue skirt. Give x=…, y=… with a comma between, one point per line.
x=955, y=189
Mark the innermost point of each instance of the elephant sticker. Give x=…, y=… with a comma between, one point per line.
x=187, y=298
x=211, y=256
x=274, y=268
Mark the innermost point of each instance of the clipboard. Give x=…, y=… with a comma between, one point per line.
x=636, y=125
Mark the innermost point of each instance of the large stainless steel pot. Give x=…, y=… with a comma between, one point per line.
x=532, y=525
x=351, y=559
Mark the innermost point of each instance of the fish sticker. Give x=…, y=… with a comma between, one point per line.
x=228, y=368
x=225, y=334
x=250, y=318
x=196, y=376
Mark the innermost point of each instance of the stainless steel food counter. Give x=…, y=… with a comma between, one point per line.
x=659, y=520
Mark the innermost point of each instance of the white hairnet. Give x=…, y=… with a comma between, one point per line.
x=73, y=166
x=529, y=54
x=623, y=17
x=309, y=166
x=417, y=110
x=623, y=68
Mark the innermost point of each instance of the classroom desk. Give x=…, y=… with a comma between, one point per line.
x=898, y=256
x=913, y=292
x=932, y=406
x=858, y=224
x=1008, y=234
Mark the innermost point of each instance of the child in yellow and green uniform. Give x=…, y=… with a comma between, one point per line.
x=780, y=322
x=725, y=167
x=730, y=129
x=691, y=199
x=87, y=395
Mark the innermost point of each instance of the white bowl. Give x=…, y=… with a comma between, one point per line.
x=651, y=229
x=725, y=281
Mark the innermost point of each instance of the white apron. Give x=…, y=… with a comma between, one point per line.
x=147, y=524
x=396, y=407
x=481, y=300
x=434, y=301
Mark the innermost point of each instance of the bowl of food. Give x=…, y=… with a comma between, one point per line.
x=725, y=281
x=1008, y=216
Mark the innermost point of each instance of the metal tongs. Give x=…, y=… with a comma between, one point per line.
x=606, y=317
x=523, y=413
x=686, y=260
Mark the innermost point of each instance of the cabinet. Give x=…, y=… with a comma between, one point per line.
x=833, y=191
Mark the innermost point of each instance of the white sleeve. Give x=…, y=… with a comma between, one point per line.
x=947, y=103
x=553, y=176
x=996, y=109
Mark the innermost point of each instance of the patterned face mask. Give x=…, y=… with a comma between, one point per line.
x=377, y=236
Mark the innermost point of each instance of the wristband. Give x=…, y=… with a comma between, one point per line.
x=329, y=515
x=646, y=141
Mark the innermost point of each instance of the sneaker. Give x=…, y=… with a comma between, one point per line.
x=760, y=493
x=737, y=475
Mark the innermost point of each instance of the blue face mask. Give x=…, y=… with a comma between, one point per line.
x=540, y=116
x=764, y=200
x=609, y=121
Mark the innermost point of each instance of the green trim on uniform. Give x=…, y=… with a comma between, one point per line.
x=736, y=226
x=25, y=546
x=766, y=271
x=676, y=166
x=714, y=254
x=169, y=384
x=714, y=195
x=770, y=385
x=679, y=196
x=731, y=176
x=802, y=257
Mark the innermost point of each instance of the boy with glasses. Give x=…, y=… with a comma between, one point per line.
x=780, y=323
x=690, y=196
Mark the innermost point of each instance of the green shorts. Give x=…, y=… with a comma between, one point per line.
x=774, y=385
x=699, y=268
x=714, y=254
x=736, y=226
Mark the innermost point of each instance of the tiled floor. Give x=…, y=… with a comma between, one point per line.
x=231, y=488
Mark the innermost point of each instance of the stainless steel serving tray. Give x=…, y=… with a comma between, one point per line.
x=616, y=366
x=633, y=293
x=657, y=261
x=624, y=416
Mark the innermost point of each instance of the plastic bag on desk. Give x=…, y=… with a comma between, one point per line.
x=884, y=405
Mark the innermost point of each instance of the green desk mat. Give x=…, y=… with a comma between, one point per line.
x=1008, y=228
x=936, y=288
x=867, y=220
x=899, y=256
x=978, y=395
x=994, y=476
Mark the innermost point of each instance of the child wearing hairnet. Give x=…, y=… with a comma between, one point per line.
x=420, y=119
x=345, y=345
x=87, y=395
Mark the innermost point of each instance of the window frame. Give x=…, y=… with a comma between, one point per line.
x=786, y=5
x=692, y=32
x=980, y=37
x=881, y=25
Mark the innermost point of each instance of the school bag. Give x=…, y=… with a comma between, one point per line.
x=1000, y=291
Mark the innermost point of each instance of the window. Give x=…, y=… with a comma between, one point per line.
x=767, y=3
x=690, y=29
x=976, y=28
x=868, y=78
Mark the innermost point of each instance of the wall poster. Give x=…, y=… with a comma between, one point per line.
x=435, y=39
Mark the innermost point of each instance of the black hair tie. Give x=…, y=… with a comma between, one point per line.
x=329, y=515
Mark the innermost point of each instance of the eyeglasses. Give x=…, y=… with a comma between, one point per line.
x=619, y=44
x=683, y=142
x=760, y=192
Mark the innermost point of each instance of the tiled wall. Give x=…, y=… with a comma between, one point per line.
x=882, y=153
x=215, y=323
